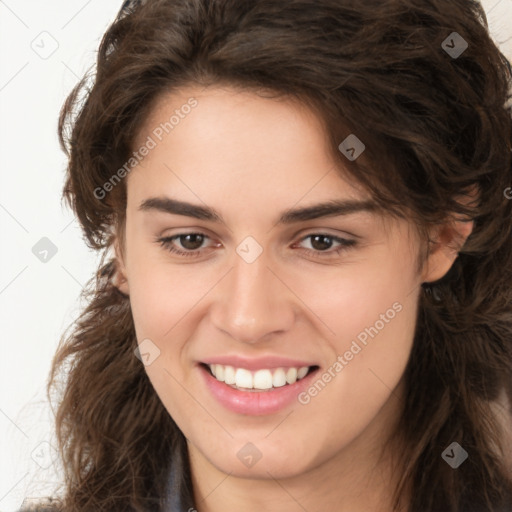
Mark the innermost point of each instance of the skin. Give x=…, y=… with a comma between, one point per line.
x=250, y=158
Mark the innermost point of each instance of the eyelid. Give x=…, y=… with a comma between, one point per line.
x=345, y=243
x=297, y=236
x=327, y=231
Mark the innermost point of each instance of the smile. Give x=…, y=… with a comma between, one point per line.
x=260, y=380
x=257, y=392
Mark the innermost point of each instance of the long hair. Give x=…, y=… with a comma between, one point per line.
x=426, y=89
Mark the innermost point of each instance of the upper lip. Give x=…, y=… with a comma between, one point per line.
x=257, y=363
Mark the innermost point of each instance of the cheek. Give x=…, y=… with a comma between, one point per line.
x=360, y=295
x=373, y=315
x=162, y=295
x=368, y=313
x=165, y=303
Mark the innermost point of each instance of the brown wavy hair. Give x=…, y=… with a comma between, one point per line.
x=434, y=126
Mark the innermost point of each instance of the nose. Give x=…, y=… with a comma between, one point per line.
x=253, y=301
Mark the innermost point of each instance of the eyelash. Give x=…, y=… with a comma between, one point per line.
x=166, y=243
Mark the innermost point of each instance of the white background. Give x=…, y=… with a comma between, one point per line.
x=38, y=300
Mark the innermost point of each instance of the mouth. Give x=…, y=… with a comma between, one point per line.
x=262, y=380
x=256, y=386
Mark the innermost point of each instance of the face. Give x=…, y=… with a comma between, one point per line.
x=265, y=288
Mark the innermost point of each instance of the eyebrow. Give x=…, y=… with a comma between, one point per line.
x=332, y=208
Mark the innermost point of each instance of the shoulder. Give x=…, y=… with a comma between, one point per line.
x=41, y=505
x=502, y=409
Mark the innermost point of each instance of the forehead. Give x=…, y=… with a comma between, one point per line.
x=237, y=120
x=221, y=133
x=252, y=159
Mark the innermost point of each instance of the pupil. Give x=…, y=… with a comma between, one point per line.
x=322, y=242
x=195, y=240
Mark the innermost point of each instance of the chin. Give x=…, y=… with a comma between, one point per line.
x=262, y=460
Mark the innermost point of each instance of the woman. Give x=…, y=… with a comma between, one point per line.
x=307, y=305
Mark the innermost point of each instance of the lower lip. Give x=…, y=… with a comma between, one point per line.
x=255, y=403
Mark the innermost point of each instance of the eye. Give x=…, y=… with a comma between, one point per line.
x=321, y=244
x=191, y=242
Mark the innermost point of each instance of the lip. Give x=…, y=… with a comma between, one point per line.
x=258, y=363
x=255, y=403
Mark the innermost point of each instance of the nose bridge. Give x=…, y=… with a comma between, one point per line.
x=252, y=301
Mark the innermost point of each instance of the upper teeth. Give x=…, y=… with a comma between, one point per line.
x=261, y=379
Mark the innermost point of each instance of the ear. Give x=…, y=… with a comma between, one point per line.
x=446, y=241
x=120, y=279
